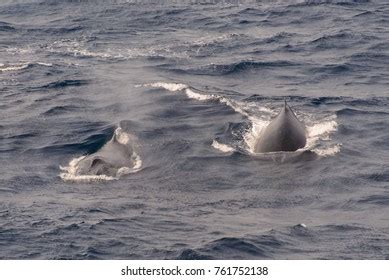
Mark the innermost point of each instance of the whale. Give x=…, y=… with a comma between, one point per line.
x=115, y=157
x=285, y=133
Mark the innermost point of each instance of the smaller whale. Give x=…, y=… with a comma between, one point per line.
x=284, y=133
x=115, y=157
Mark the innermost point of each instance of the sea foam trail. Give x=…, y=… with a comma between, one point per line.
x=319, y=131
x=72, y=171
x=242, y=108
x=4, y=67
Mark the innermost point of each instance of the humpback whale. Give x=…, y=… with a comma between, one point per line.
x=284, y=133
x=116, y=154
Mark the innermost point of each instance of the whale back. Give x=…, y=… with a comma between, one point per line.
x=114, y=155
x=284, y=133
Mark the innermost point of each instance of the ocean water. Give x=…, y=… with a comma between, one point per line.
x=188, y=85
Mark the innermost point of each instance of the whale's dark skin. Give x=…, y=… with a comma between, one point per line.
x=284, y=133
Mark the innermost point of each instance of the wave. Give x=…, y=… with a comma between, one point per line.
x=341, y=40
x=333, y=69
x=82, y=48
x=232, y=68
x=342, y=35
x=330, y=2
x=235, y=248
x=66, y=83
x=59, y=30
x=251, y=11
x=63, y=84
x=353, y=112
x=292, y=242
x=378, y=177
x=5, y=26
x=85, y=47
x=349, y=101
x=261, y=246
x=60, y=110
x=319, y=131
x=5, y=67
x=379, y=200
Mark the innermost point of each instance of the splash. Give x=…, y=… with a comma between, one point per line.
x=329, y=151
x=222, y=147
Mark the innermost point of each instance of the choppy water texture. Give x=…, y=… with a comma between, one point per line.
x=188, y=89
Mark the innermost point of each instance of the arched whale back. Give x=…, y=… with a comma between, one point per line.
x=115, y=154
x=284, y=133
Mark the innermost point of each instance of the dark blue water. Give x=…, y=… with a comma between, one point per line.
x=190, y=87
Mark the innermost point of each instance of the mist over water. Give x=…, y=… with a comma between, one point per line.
x=184, y=89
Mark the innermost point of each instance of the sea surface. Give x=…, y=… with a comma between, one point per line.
x=189, y=85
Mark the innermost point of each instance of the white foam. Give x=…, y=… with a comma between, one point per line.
x=233, y=105
x=137, y=163
x=168, y=86
x=88, y=53
x=198, y=96
x=78, y=48
x=45, y=64
x=174, y=87
x=327, y=151
x=320, y=132
x=71, y=168
x=123, y=171
x=322, y=128
x=26, y=50
x=211, y=39
x=13, y=66
x=85, y=178
x=70, y=173
x=251, y=136
x=222, y=147
x=20, y=66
